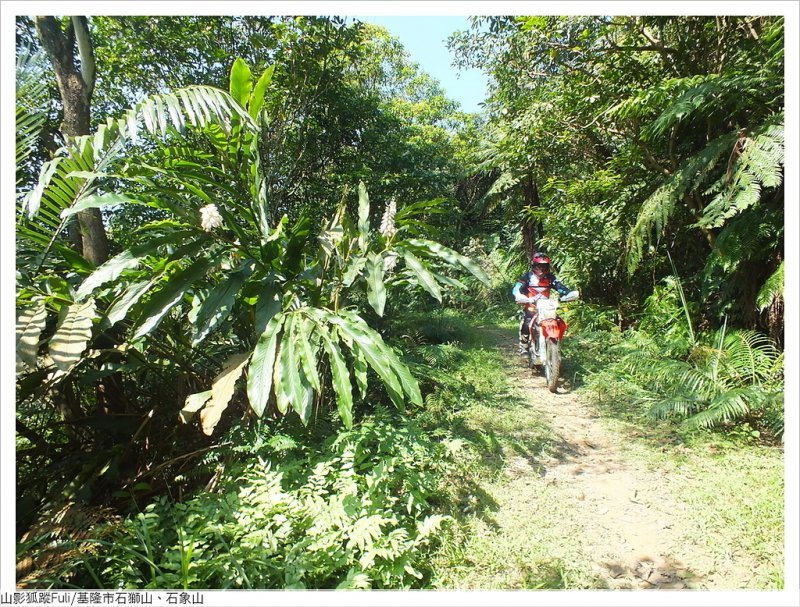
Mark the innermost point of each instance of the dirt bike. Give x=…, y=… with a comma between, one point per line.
x=547, y=329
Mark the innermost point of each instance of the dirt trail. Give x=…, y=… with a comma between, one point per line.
x=633, y=532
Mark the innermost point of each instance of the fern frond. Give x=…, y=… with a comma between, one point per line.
x=650, y=100
x=702, y=95
x=771, y=290
x=657, y=209
x=745, y=237
x=504, y=182
x=759, y=166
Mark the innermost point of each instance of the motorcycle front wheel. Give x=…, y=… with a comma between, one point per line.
x=552, y=364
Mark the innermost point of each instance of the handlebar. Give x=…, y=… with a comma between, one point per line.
x=571, y=296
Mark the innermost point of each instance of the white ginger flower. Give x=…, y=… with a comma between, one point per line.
x=388, y=228
x=389, y=262
x=210, y=217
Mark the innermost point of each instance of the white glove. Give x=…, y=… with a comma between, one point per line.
x=571, y=295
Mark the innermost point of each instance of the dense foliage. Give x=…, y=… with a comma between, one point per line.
x=250, y=390
x=644, y=137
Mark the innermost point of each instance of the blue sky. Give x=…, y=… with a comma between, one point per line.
x=425, y=37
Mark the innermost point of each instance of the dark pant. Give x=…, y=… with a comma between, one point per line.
x=525, y=329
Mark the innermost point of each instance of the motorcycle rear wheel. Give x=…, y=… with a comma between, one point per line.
x=552, y=364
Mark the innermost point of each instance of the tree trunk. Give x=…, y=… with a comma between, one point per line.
x=531, y=228
x=76, y=87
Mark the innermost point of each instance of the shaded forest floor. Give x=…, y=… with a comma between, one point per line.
x=583, y=501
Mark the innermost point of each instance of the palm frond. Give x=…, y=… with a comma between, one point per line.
x=31, y=98
x=727, y=407
x=76, y=174
x=749, y=357
x=681, y=406
x=671, y=375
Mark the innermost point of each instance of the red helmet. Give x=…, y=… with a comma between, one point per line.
x=540, y=263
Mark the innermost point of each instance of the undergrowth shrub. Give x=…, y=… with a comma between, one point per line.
x=727, y=380
x=359, y=512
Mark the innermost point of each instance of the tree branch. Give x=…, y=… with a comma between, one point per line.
x=86, y=53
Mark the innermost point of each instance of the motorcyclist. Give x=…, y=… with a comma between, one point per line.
x=532, y=285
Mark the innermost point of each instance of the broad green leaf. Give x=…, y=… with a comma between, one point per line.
x=101, y=200
x=360, y=371
x=424, y=277
x=198, y=297
x=449, y=281
x=279, y=229
x=328, y=239
x=217, y=306
x=341, y=379
x=260, y=204
x=119, y=309
x=30, y=324
x=375, y=351
x=267, y=306
x=409, y=384
x=129, y=258
x=306, y=405
x=72, y=334
x=259, y=376
x=194, y=402
x=354, y=268
x=407, y=380
x=169, y=295
x=241, y=82
x=308, y=358
x=286, y=377
x=363, y=216
x=222, y=391
x=75, y=260
x=257, y=98
x=376, y=291
x=451, y=257
x=109, y=271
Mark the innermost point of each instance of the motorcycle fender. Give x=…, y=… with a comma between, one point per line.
x=554, y=327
